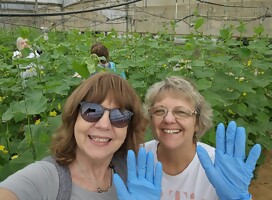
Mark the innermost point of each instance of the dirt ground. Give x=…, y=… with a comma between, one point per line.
x=261, y=188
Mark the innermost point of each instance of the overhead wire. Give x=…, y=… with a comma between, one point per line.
x=65, y=13
x=141, y=10
x=224, y=5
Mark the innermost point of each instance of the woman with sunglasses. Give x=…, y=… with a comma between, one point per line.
x=179, y=116
x=101, y=120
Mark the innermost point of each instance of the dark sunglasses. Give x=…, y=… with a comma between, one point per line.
x=93, y=112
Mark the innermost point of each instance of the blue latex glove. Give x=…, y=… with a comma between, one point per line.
x=231, y=173
x=144, y=185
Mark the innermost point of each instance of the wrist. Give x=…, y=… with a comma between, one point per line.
x=241, y=197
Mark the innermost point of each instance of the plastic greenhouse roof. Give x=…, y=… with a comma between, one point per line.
x=44, y=2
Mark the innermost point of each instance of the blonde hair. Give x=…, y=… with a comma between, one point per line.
x=18, y=43
x=184, y=89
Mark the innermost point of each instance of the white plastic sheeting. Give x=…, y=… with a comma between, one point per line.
x=59, y=2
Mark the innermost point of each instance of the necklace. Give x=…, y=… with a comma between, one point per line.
x=84, y=173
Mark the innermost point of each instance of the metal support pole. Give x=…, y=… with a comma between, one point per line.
x=127, y=7
x=35, y=11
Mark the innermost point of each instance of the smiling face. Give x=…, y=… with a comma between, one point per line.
x=173, y=132
x=99, y=140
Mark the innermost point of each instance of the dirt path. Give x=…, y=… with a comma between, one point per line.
x=261, y=188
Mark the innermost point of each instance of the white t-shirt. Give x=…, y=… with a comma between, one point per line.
x=191, y=184
x=30, y=69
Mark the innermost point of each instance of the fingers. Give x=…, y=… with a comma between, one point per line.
x=121, y=189
x=240, y=143
x=158, y=175
x=220, y=138
x=131, y=165
x=207, y=164
x=141, y=163
x=230, y=138
x=150, y=167
x=204, y=158
x=144, y=169
x=253, y=156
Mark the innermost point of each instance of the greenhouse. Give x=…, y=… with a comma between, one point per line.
x=135, y=15
x=85, y=83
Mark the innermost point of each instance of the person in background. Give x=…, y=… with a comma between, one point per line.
x=102, y=53
x=30, y=69
x=101, y=120
x=179, y=116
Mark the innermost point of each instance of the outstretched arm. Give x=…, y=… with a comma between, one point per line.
x=231, y=172
x=7, y=194
x=143, y=183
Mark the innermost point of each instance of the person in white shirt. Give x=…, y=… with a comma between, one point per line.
x=29, y=70
x=179, y=116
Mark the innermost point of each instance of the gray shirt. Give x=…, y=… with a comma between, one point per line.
x=40, y=181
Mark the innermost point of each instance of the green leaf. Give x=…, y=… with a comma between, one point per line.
x=198, y=63
x=259, y=29
x=176, y=58
x=244, y=52
x=54, y=122
x=8, y=115
x=213, y=98
x=255, y=100
x=24, y=159
x=265, y=141
x=240, y=109
x=81, y=69
x=57, y=87
x=199, y=22
x=203, y=84
x=34, y=103
x=225, y=33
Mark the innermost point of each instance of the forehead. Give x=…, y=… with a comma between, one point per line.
x=173, y=98
x=172, y=93
x=108, y=99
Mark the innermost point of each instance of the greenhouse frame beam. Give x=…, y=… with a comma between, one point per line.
x=64, y=13
x=30, y=3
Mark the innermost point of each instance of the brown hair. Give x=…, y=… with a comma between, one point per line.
x=101, y=51
x=96, y=89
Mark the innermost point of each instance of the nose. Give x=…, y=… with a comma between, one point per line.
x=169, y=118
x=104, y=121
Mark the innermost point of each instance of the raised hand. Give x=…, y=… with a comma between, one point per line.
x=143, y=183
x=231, y=172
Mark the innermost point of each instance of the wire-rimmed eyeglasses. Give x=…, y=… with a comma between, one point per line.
x=178, y=111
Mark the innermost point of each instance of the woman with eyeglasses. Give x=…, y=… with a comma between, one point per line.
x=101, y=120
x=179, y=116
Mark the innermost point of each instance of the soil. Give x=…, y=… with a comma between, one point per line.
x=261, y=187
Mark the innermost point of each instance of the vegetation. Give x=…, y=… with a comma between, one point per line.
x=233, y=76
